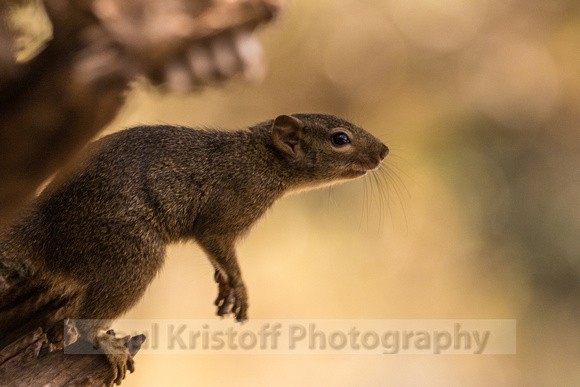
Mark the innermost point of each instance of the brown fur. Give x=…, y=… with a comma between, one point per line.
x=98, y=233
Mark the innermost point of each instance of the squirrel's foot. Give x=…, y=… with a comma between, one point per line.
x=231, y=299
x=117, y=354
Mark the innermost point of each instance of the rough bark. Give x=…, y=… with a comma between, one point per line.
x=30, y=361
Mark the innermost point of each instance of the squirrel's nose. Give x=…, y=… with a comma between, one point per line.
x=384, y=151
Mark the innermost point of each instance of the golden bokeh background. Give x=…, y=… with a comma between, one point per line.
x=479, y=216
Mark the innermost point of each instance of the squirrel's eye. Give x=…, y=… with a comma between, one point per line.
x=340, y=139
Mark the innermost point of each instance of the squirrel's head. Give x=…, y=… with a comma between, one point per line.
x=327, y=148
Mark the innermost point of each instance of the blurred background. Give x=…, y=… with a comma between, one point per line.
x=478, y=217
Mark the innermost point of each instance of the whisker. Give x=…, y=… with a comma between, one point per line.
x=330, y=201
x=369, y=201
x=380, y=189
x=381, y=201
x=364, y=203
x=396, y=186
x=385, y=193
x=399, y=181
x=396, y=170
x=392, y=164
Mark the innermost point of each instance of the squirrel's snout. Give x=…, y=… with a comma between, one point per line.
x=384, y=152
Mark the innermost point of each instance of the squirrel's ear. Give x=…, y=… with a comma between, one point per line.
x=286, y=133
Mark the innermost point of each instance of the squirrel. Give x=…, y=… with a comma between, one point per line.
x=97, y=234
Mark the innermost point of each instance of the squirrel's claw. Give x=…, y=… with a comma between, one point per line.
x=230, y=299
x=224, y=302
x=225, y=298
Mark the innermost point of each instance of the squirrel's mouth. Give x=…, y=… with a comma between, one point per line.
x=374, y=165
x=362, y=167
x=362, y=170
x=354, y=173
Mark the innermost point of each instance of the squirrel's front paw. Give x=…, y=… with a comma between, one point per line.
x=234, y=298
x=117, y=354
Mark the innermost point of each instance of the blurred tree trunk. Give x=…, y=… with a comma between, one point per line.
x=52, y=105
